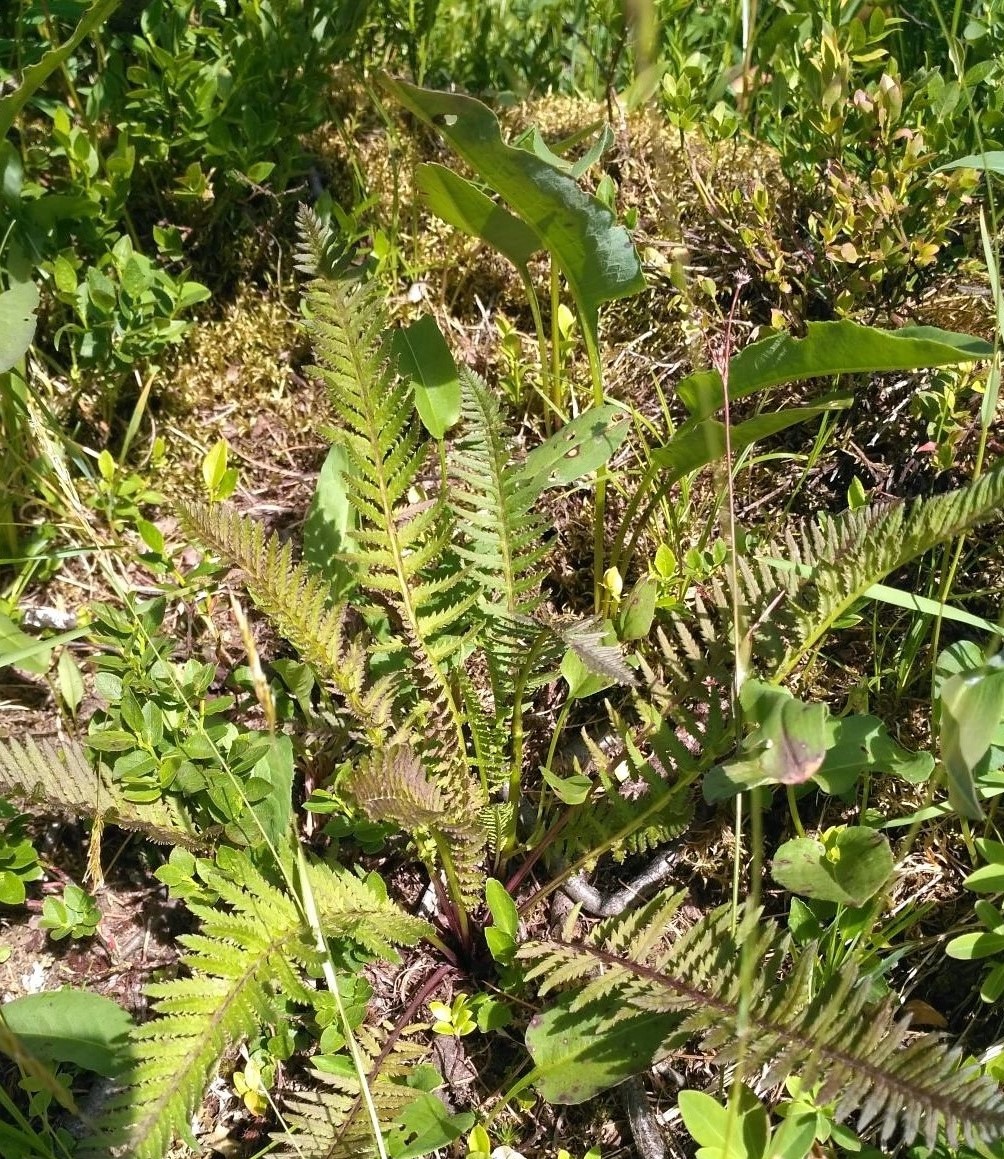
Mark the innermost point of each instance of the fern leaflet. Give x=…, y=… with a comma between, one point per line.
x=781, y=1025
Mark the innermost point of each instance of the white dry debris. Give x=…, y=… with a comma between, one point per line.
x=34, y=983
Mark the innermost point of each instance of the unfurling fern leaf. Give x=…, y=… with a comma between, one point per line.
x=734, y=991
x=259, y=948
x=392, y=785
x=59, y=779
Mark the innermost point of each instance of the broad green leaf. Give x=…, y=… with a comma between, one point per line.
x=428, y=1126
x=738, y=1131
x=696, y=444
x=571, y=790
x=986, y=879
x=19, y=650
x=533, y=141
x=972, y=708
x=214, y=466
x=424, y=357
x=593, y=252
x=991, y=162
x=503, y=908
x=794, y=1138
x=329, y=524
x=12, y=890
x=828, y=348
x=637, y=611
x=787, y=746
x=969, y=947
x=75, y=1026
x=461, y=204
x=17, y=322
x=576, y=1056
x=36, y=74
x=581, y=446
x=275, y=809
x=858, y=744
x=849, y=869
x=71, y=683
x=582, y=683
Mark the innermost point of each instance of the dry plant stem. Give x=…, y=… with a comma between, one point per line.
x=538, y=325
x=599, y=506
x=331, y=980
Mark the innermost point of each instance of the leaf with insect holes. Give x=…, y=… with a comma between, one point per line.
x=594, y=253
x=583, y=445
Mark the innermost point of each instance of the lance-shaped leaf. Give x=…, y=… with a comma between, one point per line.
x=696, y=444
x=593, y=252
x=424, y=357
x=461, y=204
x=990, y=162
x=972, y=708
x=36, y=74
x=17, y=322
x=829, y=348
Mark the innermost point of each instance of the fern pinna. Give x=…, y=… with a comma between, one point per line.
x=738, y=990
x=254, y=955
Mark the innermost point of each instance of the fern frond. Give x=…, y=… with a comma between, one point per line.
x=299, y=602
x=318, y=246
x=769, y=1019
x=585, y=638
x=850, y=553
x=638, y=804
x=503, y=537
x=59, y=779
x=402, y=552
x=393, y=785
x=258, y=946
x=331, y=1122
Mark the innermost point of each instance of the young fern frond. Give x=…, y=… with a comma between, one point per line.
x=330, y=1122
x=258, y=947
x=770, y=1022
x=298, y=601
x=393, y=785
x=493, y=501
x=400, y=548
x=59, y=779
x=637, y=813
